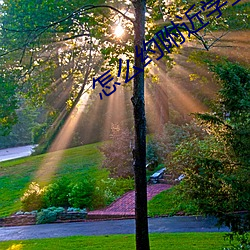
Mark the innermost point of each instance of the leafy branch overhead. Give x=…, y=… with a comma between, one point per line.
x=35, y=32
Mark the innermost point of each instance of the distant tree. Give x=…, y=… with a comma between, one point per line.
x=8, y=105
x=118, y=158
x=165, y=142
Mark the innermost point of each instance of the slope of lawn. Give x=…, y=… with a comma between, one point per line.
x=16, y=175
x=172, y=241
x=170, y=203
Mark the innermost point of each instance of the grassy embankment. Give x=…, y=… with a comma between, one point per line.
x=16, y=175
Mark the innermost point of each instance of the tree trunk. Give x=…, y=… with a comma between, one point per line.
x=139, y=151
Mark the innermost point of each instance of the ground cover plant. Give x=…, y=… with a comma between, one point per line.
x=170, y=241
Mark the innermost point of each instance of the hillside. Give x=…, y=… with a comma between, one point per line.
x=73, y=164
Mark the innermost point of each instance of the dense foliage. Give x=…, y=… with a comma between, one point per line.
x=54, y=48
x=90, y=193
x=217, y=168
x=32, y=199
x=48, y=215
x=56, y=194
x=8, y=105
x=162, y=143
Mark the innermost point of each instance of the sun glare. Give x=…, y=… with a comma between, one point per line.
x=119, y=31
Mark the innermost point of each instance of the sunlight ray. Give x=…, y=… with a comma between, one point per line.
x=51, y=161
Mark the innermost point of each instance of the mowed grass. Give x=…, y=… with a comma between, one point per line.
x=169, y=202
x=170, y=241
x=16, y=175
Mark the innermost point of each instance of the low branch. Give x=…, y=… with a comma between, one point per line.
x=217, y=39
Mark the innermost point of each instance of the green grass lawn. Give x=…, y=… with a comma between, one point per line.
x=16, y=175
x=169, y=203
x=170, y=241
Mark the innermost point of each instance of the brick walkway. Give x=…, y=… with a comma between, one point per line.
x=124, y=207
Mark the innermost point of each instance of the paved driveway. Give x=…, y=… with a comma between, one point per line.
x=14, y=153
x=156, y=225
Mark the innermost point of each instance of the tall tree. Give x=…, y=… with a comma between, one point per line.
x=139, y=151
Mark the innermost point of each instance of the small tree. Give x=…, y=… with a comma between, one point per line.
x=118, y=156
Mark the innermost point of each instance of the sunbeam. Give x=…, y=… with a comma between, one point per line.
x=51, y=161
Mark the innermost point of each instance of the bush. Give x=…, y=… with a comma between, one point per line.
x=33, y=198
x=103, y=194
x=61, y=193
x=152, y=155
x=109, y=189
x=57, y=193
x=48, y=215
x=81, y=194
x=243, y=242
x=78, y=210
x=122, y=186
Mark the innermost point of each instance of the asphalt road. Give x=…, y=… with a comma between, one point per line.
x=156, y=225
x=14, y=153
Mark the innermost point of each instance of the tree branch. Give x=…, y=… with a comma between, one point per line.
x=199, y=37
x=42, y=29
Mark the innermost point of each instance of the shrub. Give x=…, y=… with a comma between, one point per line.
x=57, y=193
x=81, y=194
x=103, y=194
x=33, y=197
x=152, y=156
x=73, y=209
x=123, y=185
x=109, y=189
x=48, y=215
x=243, y=242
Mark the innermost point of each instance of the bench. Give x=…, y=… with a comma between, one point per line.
x=182, y=176
x=155, y=177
